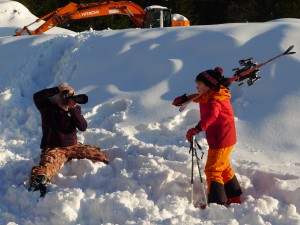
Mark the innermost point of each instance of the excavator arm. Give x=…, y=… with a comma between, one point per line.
x=135, y=12
x=57, y=17
x=74, y=11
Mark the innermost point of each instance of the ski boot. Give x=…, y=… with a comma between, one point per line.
x=234, y=200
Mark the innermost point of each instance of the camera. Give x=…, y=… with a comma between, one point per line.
x=66, y=96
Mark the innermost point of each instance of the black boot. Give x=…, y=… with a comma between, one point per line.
x=39, y=183
x=216, y=193
x=233, y=191
x=233, y=188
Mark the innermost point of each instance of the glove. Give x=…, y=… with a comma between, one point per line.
x=180, y=100
x=191, y=132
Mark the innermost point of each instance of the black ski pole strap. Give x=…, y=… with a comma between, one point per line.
x=191, y=145
x=199, y=147
x=192, y=171
x=193, y=142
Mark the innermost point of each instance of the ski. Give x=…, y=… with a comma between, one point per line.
x=248, y=71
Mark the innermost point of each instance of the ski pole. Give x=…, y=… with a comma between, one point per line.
x=203, y=202
x=193, y=147
x=192, y=172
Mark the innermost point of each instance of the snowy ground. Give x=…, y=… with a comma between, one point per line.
x=131, y=78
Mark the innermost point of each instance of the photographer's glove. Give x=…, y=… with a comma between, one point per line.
x=180, y=100
x=191, y=132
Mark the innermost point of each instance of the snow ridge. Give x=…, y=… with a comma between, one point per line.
x=131, y=77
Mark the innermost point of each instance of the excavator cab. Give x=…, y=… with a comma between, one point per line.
x=157, y=16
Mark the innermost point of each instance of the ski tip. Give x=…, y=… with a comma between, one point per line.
x=288, y=51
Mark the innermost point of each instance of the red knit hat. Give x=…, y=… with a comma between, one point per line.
x=211, y=78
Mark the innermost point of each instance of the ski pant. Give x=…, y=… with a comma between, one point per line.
x=52, y=159
x=221, y=181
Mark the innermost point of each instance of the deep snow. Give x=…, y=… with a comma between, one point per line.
x=131, y=78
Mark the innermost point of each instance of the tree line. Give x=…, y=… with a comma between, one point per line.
x=199, y=12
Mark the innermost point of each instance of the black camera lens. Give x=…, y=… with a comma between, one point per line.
x=80, y=99
x=66, y=96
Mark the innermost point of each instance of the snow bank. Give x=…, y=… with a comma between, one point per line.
x=131, y=78
x=14, y=16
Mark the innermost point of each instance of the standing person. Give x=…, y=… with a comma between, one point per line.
x=217, y=120
x=61, y=118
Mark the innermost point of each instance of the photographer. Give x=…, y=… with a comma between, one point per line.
x=61, y=117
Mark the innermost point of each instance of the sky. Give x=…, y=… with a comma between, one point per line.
x=131, y=77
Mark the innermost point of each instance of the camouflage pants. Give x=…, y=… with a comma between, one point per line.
x=52, y=159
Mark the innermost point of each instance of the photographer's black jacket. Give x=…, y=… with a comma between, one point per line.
x=59, y=126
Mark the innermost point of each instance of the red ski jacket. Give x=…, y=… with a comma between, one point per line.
x=59, y=126
x=217, y=118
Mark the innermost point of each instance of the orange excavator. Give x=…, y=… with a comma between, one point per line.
x=150, y=17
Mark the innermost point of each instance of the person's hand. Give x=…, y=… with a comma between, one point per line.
x=71, y=104
x=180, y=100
x=64, y=107
x=191, y=132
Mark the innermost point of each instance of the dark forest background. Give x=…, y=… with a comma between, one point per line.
x=199, y=12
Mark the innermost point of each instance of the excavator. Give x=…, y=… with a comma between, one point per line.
x=150, y=17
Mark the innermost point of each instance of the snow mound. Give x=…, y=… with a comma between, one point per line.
x=131, y=77
x=14, y=16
